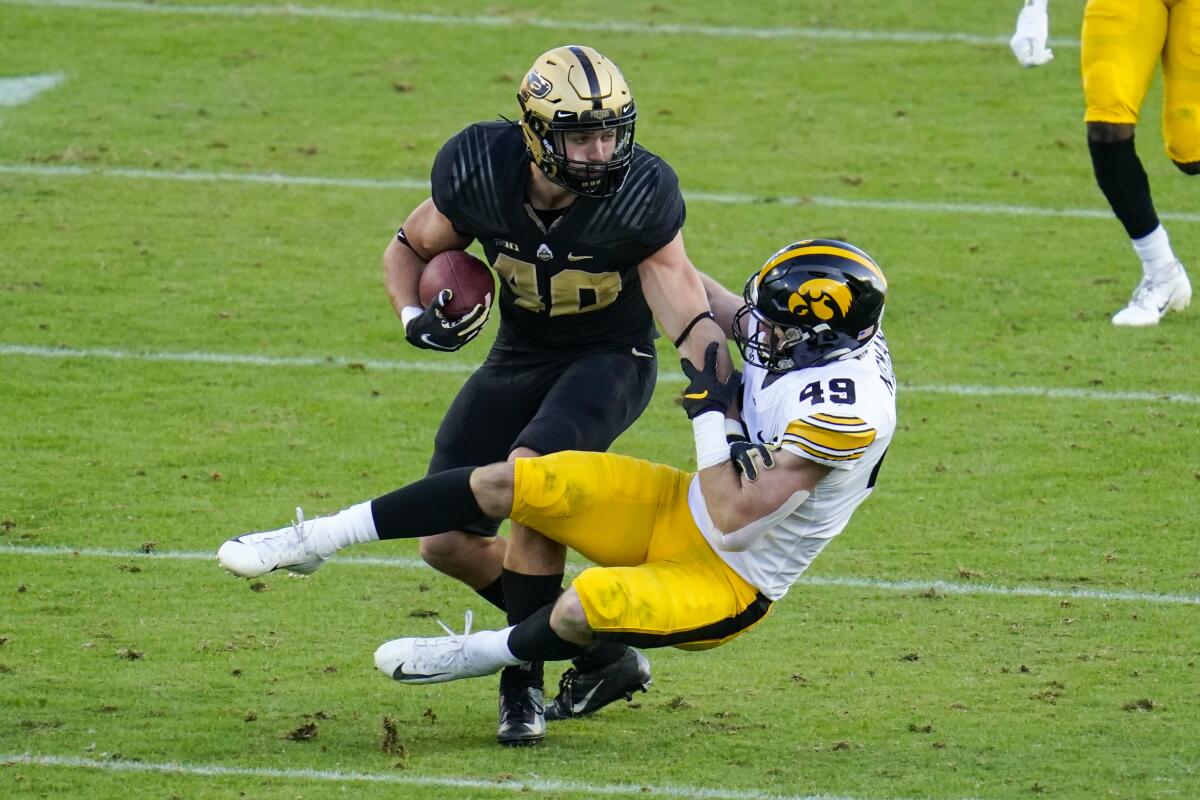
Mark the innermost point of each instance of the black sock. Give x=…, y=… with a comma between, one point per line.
x=534, y=639
x=438, y=503
x=1123, y=180
x=494, y=593
x=599, y=654
x=523, y=596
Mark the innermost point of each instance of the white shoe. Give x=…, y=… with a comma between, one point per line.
x=1152, y=299
x=291, y=548
x=435, y=659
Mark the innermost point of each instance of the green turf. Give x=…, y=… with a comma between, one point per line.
x=871, y=692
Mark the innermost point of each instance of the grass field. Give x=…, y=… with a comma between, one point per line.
x=194, y=339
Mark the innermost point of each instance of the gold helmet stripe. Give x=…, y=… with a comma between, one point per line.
x=820, y=250
x=589, y=70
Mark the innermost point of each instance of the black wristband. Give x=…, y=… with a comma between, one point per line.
x=402, y=238
x=702, y=315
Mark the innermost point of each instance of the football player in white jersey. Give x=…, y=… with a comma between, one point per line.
x=686, y=560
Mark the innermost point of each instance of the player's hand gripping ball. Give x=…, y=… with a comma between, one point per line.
x=456, y=289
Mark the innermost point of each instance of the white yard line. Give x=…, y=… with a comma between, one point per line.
x=943, y=587
x=670, y=376
x=18, y=91
x=720, y=198
x=516, y=784
x=536, y=21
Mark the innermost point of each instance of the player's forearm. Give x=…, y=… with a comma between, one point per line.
x=725, y=496
x=724, y=303
x=699, y=337
x=726, y=493
x=401, y=275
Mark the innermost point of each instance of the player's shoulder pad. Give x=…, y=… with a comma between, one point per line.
x=649, y=206
x=835, y=439
x=475, y=171
x=839, y=417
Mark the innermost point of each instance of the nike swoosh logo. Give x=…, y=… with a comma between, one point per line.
x=427, y=340
x=640, y=354
x=577, y=708
x=700, y=396
x=400, y=674
x=573, y=257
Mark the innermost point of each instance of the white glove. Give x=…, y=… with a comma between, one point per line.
x=1033, y=28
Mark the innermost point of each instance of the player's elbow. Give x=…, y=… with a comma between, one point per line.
x=732, y=517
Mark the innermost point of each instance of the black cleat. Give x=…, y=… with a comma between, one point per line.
x=582, y=693
x=522, y=716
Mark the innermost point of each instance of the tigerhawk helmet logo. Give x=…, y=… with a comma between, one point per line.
x=821, y=297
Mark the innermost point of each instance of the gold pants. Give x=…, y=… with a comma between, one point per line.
x=658, y=582
x=1123, y=41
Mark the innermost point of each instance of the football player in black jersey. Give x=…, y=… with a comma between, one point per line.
x=583, y=228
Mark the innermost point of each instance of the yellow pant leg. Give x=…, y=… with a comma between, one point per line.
x=1181, y=82
x=602, y=506
x=692, y=601
x=660, y=583
x=684, y=595
x=1123, y=41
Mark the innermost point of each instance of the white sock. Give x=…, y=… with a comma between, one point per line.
x=490, y=648
x=1154, y=249
x=353, y=525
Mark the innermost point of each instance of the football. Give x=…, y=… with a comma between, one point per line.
x=462, y=273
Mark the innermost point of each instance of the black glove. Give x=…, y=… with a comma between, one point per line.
x=434, y=331
x=707, y=392
x=741, y=452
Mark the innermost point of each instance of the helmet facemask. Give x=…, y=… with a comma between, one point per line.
x=587, y=178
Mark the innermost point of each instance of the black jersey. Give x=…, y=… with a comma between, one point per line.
x=571, y=285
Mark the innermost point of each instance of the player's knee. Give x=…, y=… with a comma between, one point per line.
x=1188, y=167
x=568, y=620
x=493, y=489
x=1109, y=132
x=448, y=553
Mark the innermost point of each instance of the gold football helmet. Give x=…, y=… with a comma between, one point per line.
x=572, y=89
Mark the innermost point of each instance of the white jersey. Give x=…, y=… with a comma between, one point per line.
x=841, y=414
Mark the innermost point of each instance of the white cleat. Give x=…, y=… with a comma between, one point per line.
x=435, y=659
x=253, y=554
x=1152, y=299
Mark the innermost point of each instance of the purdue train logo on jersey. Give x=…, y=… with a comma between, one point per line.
x=821, y=298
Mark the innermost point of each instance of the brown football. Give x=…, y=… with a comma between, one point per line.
x=462, y=273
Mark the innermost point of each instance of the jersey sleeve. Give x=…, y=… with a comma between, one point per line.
x=834, y=439
x=464, y=185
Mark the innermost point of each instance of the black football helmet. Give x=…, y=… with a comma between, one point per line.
x=574, y=88
x=814, y=301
